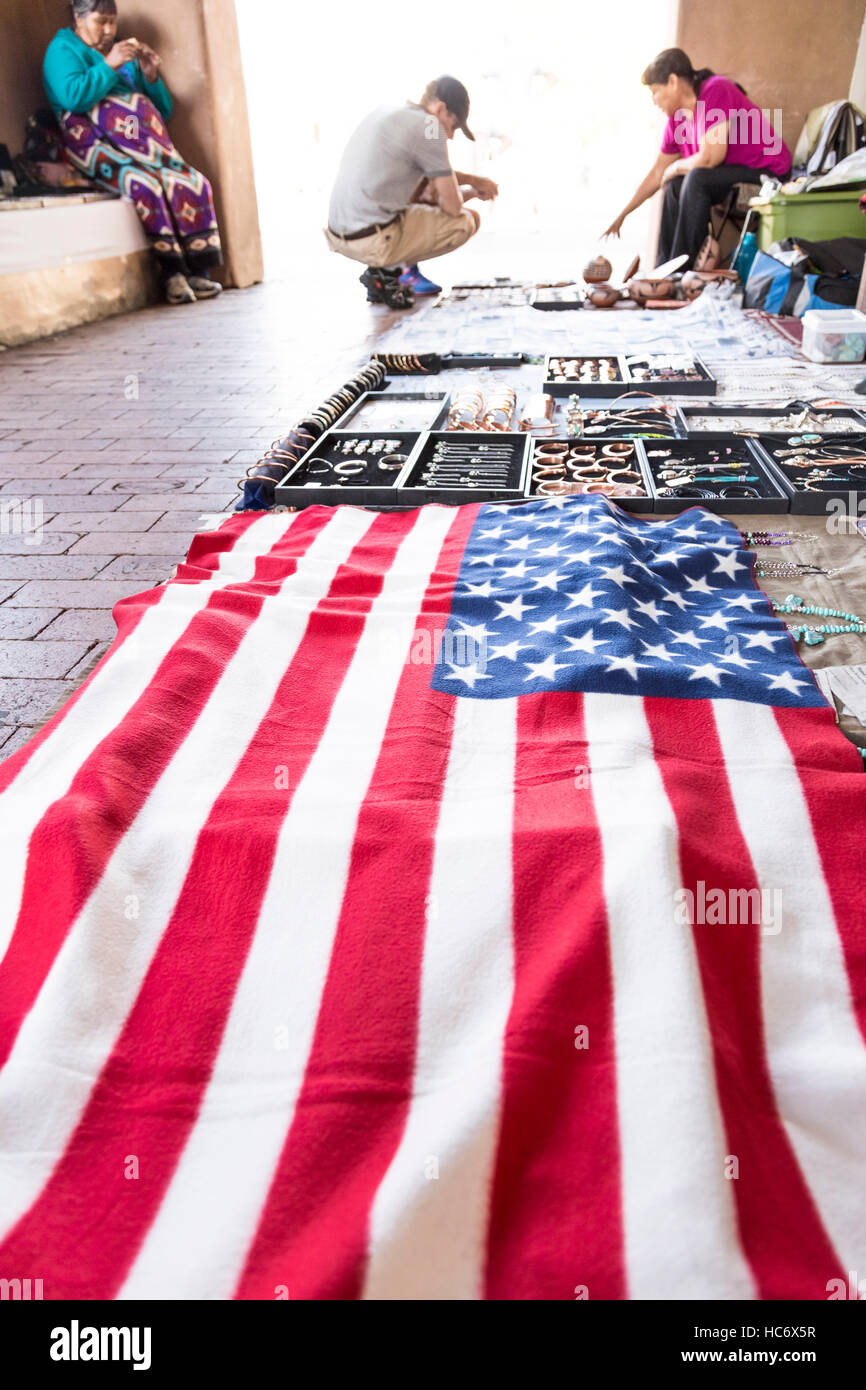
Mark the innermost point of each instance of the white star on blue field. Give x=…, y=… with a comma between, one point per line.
x=573, y=594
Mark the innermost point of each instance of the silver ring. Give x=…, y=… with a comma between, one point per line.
x=391, y=462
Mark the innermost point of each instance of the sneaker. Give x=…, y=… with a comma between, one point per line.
x=203, y=288
x=178, y=290
x=418, y=283
x=383, y=287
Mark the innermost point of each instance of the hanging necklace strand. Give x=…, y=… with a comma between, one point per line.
x=774, y=538
x=814, y=633
x=787, y=569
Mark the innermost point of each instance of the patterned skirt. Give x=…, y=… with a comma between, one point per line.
x=124, y=146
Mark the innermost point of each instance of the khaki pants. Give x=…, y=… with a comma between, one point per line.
x=419, y=233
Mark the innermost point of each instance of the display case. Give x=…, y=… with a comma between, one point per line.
x=823, y=479
x=722, y=472
x=579, y=467
x=605, y=376
x=757, y=420
x=360, y=467
x=679, y=373
x=558, y=297
x=629, y=420
x=453, y=467
x=397, y=410
x=592, y=375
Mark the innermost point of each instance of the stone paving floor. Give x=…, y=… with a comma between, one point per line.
x=117, y=438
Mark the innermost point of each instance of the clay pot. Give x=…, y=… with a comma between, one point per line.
x=604, y=296
x=597, y=271
x=642, y=288
x=694, y=281
x=693, y=284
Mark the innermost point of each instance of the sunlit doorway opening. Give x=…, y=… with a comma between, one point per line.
x=561, y=119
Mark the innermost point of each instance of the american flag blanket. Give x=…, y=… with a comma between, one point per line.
x=451, y=904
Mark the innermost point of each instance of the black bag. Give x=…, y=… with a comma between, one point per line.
x=43, y=142
x=839, y=263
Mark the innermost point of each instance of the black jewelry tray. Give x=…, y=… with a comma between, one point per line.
x=603, y=390
x=481, y=359
x=826, y=498
x=773, y=497
x=412, y=491
x=571, y=387
x=409, y=363
x=705, y=386
x=562, y=297
x=375, y=486
x=762, y=412
x=680, y=430
x=499, y=282
x=436, y=414
x=628, y=504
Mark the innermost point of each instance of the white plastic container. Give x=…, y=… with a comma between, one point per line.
x=834, y=335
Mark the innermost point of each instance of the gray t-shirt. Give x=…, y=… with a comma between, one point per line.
x=385, y=160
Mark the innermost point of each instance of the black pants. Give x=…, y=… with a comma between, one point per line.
x=687, y=203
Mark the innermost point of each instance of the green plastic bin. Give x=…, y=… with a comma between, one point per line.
x=815, y=216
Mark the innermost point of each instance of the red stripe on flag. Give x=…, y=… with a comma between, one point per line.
x=832, y=776
x=88, y=1216
x=555, y=1221
x=81, y=830
x=353, y=1105
x=127, y=614
x=780, y=1228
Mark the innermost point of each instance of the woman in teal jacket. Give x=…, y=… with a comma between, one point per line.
x=112, y=105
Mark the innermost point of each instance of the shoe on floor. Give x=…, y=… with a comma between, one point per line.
x=418, y=283
x=204, y=288
x=178, y=290
x=383, y=287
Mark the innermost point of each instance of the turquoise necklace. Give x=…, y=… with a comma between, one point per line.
x=814, y=634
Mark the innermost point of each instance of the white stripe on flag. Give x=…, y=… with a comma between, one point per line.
x=815, y=1049
x=430, y=1215
x=71, y=1030
x=679, y=1217
x=208, y=1219
x=114, y=689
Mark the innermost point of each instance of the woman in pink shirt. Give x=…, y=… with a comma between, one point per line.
x=715, y=137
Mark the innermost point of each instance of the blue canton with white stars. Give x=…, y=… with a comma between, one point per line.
x=571, y=593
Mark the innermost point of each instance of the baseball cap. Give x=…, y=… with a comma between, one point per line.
x=456, y=98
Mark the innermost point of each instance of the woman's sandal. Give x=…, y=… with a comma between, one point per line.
x=203, y=288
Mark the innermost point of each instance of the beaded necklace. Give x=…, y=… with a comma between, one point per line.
x=778, y=537
x=787, y=569
x=814, y=634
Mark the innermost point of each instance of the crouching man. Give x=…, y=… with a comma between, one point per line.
x=398, y=201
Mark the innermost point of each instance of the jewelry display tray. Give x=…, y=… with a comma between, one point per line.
x=397, y=490
x=373, y=487
x=831, y=498
x=740, y=412
x=558, y=298
x=774, y=497
x=413, y=493
x=596, y=389
x=628, y=504
x=707, y=386
x=587, y=436
x=435, y=415
x=468, y=360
